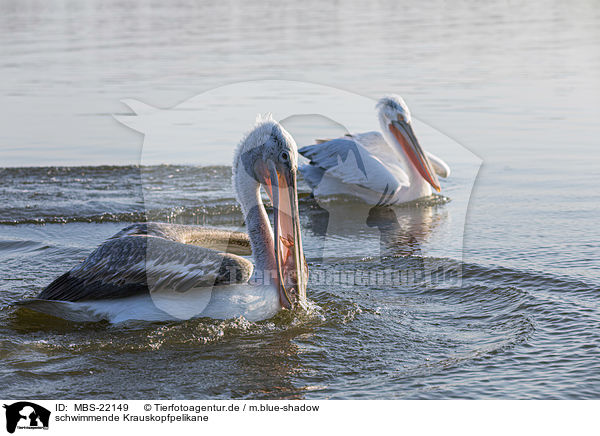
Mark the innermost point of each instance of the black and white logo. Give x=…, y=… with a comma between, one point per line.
x=26, y=415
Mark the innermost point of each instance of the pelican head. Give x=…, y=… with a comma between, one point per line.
x=396, y=124
x=268, y=157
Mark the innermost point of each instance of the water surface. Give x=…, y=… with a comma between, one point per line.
x=515, y=82
x=502, y=331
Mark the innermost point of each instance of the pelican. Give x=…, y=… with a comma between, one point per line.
x=378, y=169
x=159, y=271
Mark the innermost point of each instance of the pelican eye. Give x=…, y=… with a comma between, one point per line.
x=401, y=118
x=284, y=156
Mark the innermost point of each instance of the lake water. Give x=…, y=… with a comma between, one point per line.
x=516, y=84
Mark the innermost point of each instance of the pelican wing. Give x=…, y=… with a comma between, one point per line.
x=217, y=239
x=375, y=143
x=348, y=161
x=133, y=262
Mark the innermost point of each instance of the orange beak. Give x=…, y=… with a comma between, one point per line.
x=405, y=135
x=292, y=270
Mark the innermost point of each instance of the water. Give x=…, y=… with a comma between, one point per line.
x=516, y=84
x=504, y=332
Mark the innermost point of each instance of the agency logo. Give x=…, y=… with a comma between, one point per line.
x=26, y=415
x=370, y=185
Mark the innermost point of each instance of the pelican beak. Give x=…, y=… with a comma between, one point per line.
x=292, y=271
x=405, y=135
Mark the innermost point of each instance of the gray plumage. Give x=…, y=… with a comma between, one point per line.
x=325, y=154
x=148, y=256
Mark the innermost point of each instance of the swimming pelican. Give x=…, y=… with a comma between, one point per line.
x=379, y=169
x=159, y=271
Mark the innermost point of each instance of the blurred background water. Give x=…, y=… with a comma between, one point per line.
x=516, y=83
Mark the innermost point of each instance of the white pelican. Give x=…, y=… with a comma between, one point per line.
x=156, y=271
x=379, y=169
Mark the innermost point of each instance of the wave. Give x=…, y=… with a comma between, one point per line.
x=211, y=214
